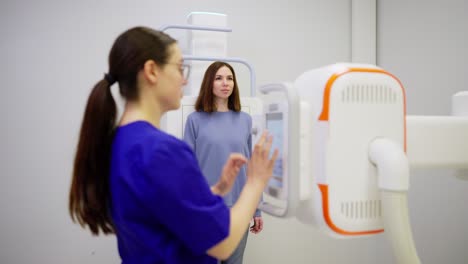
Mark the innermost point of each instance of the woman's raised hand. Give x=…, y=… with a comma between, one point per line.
x=229, y=174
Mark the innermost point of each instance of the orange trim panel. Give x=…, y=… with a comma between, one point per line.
x=326, y=97
x=324, y=116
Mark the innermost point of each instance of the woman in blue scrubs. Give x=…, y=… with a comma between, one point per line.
x=134, y=180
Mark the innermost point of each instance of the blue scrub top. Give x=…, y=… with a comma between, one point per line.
x=162, y=207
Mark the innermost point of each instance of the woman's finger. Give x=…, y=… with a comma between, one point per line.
x=259, y=146
x=267, y=146
x=273, y=158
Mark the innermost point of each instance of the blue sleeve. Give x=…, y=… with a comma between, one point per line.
x=183, y=201
x=189, y=132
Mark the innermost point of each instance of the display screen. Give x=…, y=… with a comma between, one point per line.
x=274, y=124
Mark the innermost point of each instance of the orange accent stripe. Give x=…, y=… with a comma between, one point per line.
x=329, y=221
x=326, y=97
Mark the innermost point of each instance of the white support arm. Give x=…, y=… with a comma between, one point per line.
x=437, y=141
x=393, y=173
x=194, y=27
x=398, y=227
x=440, y=141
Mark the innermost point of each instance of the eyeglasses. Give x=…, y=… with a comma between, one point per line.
x=184, y=69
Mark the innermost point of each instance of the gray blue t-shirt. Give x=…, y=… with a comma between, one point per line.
x=213, y=137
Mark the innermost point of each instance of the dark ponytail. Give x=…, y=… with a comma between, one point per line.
x=89, y=194
x=90, y=197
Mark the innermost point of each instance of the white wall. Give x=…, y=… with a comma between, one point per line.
x=424, y=44
x=54, y=51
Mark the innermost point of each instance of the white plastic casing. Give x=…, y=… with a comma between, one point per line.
x=351, y=105
x=460, y=104
x=283, y=202
x=204, y=43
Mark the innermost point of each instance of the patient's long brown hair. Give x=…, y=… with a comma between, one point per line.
x=205, y=100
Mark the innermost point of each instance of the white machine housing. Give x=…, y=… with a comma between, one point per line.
x=350, y=106
x=281, y=118
x=276, y=122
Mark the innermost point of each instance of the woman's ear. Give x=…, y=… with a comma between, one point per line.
x=151, y=71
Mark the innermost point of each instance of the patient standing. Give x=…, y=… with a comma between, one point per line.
x=218, y=128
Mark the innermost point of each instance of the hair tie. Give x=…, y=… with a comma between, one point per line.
x=109, y=78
